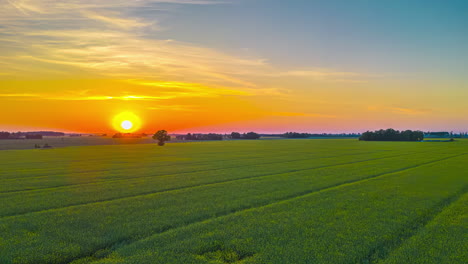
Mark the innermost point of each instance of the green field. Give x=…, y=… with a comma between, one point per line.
x=263, y=201
x=59, y=142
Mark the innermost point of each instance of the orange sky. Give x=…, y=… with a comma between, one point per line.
x=74, y=67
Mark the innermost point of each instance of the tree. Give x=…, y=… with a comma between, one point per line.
x=392, y=135
x=161, y=136
x=4, y=135
x=235, y=135
x=250, y=135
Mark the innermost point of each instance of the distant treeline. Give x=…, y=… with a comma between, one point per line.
x=214, y=136
x=309, y=135
x=392, y=135
x=129, y=135
x=249, y=135
x=19, y=135
x=30, y=135
x=210, y=136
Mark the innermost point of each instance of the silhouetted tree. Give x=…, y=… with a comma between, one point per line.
x=4, y=135
x=310, y=135
x=209, y=136
x=250, y=135
x=392, y=135
x=235, y=135
x=161, y=136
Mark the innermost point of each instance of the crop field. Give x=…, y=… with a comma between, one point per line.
x=7, y=144
x=261, y=201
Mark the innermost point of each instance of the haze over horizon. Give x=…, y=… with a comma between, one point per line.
x=244, y=65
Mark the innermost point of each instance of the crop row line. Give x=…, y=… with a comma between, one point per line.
x=384, y=249
x=173, y=174
x=130, y=240
x=191, y=186
x=99, y=158
x=169, y=165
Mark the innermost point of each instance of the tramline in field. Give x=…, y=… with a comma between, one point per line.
x=268, y=201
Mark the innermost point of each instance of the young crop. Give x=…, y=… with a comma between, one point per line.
x=283, y=201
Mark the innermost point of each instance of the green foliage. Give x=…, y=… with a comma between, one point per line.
x=250, y=135
x=235, y=135
x=392, y=135
x=209, y=136
x=266, y=201
x=161, y=136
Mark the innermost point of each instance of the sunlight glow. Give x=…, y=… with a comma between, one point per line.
x=126, y=122
x=126, y=125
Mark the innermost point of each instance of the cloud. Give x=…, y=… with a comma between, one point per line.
x=295, y=114
x=408, y=111
x=109, y=97
x=114, y=21
x=190, y=88
x=398, y=110
x=30, y=7
x=48, y=39
x=181, y=108
x=327, y=75
x=17, y=95
x=124, y=90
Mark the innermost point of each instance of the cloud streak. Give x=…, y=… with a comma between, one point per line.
x=48, y=39
x=296, y=114
x=399, y=110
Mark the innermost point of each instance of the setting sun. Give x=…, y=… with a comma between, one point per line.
x=126, y=122
x=126, y=125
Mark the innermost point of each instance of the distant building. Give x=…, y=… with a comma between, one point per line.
x=437, y=134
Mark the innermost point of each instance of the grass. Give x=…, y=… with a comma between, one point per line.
x=278, y=201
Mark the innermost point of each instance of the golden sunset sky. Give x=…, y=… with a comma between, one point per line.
x=234, y=65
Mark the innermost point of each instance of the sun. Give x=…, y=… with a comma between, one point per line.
x=126, y=122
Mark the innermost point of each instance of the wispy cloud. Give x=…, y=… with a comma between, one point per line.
x=115, y=21
x=328, y=75
x=128, y=90
x=102, y=39
x=29, y=7
x=179, y=108
x=399, y=110
x=109, y=97
x=408, y=111
x=190, y=88
x=296, y=114
x=17, y=95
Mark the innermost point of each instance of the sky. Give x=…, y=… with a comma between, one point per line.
x=269, y=66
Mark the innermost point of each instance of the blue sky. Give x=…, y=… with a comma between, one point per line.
x=378, y=36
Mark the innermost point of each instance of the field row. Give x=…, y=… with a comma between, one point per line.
x=111, y=173
x=84, y=193
x=363, y=222
x=74, y=160
x=117, y=162
x=65, y=234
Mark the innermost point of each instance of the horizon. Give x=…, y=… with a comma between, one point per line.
x=219, y=132
x=211, y=66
